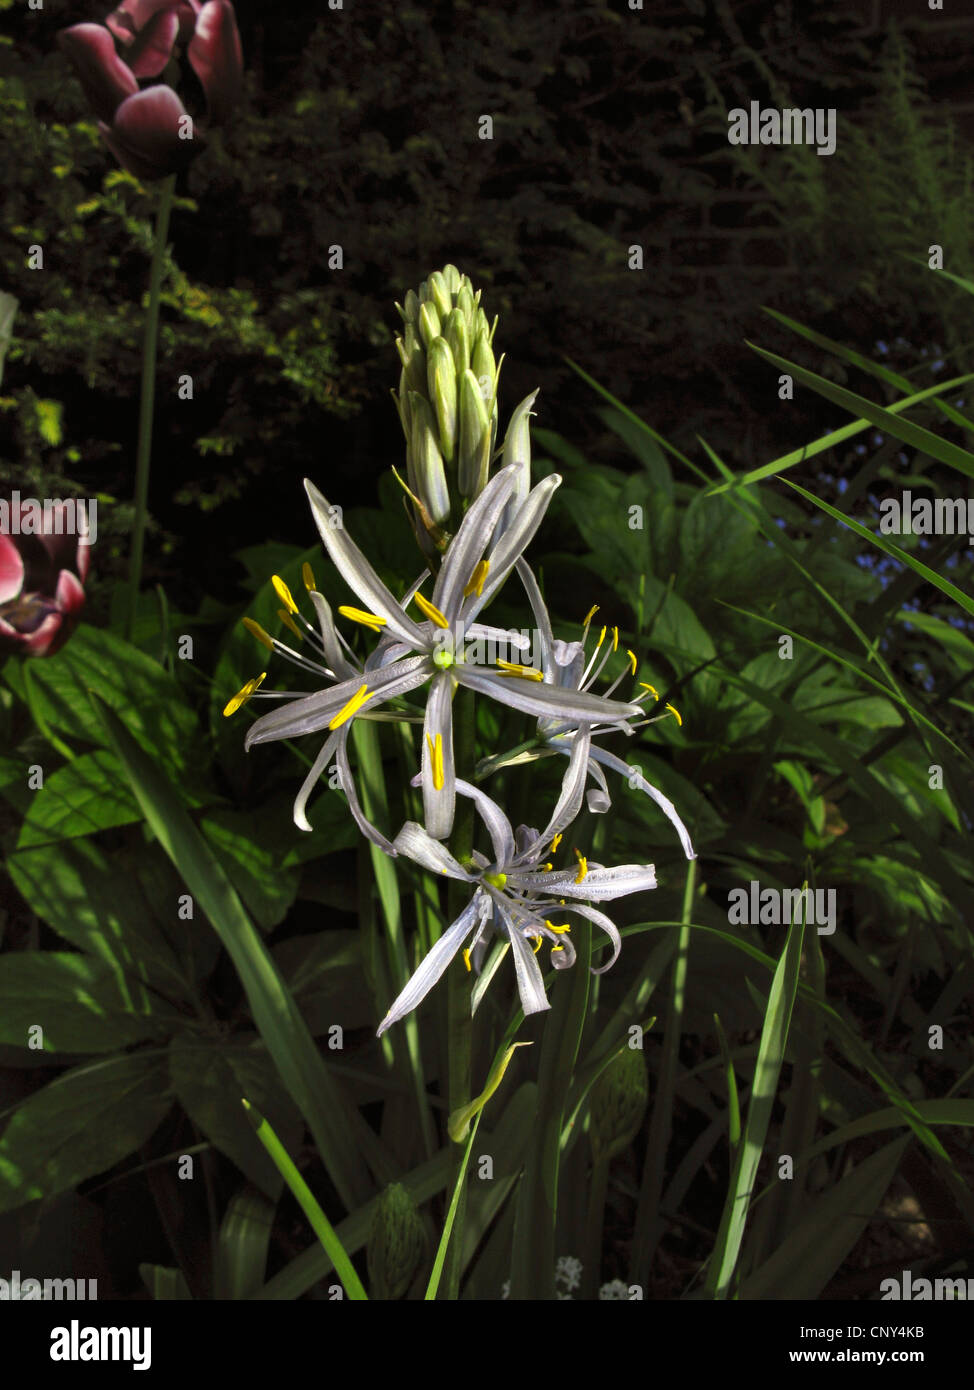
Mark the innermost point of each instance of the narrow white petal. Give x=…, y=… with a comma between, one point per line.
x=530, y=984
x=541, y=616
x=572, y=787
x=498, y=635
x=313, y=712
x=336, y=658
x=358, y=574
x=498, y=826
x=439, y=805
x=348, y=787
x=311, y=781
x=544, y=700
x=608, y=926
x=663, y=802
x=432, y=966
x=602, y=885
x=414, y=842
x=515, y=540
x=468, y=545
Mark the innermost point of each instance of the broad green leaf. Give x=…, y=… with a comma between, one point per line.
x=83, y=1123
x=85, y=795
x=265, y=886
x=325, y=973
x=79, y=1002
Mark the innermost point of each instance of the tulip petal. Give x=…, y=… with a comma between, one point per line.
x=11, y=570
x=105, y=79
x=216, y=57
x=69, y=595
x=132, y=16
x=152, y=46
x=145, y=138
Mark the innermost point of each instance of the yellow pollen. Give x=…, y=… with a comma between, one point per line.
x=552, y=927
x=436, y=760
x=307, y=574
x=556, y=948
x=632, y=659
x=289, y=622
x=601, y=639
x=243, y=695
x=475, y=584
x=651, y=688
x=582, y=866
x=466, y=959
x=257, y=631
x=430, y=611
x=556, y=842
x=359, y=615
x=676, y=714
x=547, y=868
x=590, y=614
x=615, y=639
x=349, y=710
x=539, y=940
x=284, y=593
x=511, y=668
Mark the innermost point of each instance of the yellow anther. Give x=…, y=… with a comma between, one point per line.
x=651, y=688
x=615, y=639
x=257, y=631
x=307, y=574
x=551, y=926
x=430, y=611
x=539, y=940
x=590, y=614
x=601, y=639
x=436, y=760
x=475, y=584
x=582, y=866
x=547, y=868
x=349, y=710
x=556, y=841
x=359, y=615
x=283, y=593
x=556, y=948
x=632, y=660
x=243, y=695
x=676, y=714
x=511, y=668
x=289, y=622
x=466, y=958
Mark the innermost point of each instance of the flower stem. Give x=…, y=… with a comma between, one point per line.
x=459, y=1022
x=147, y=397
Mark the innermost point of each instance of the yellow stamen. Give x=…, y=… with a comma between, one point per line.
x=547, y=868
x=436, y=759
x=615, y=639
x=466, y=958
x=243, y=695
x=582, y=866
x=556, y=841
x=284, y=593
x=676, y=714
x=477, y=580
x=307, y=574
x=552, y=926
x=632, y=658
x=359, y=615
x=539, y=940
x=601, y=640
x=556, y=948
x=511, y=668
x=430, y=611
x=651, y=688
x=289, y=622
x=590, y=614
x=257, y=631
x=349, y=710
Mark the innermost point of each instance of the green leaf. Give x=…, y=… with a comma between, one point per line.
x=278, y=1020
x=266, y=887
x=245, y=1237
x=88, y=794
x=80, y=1003
x=83, y=1123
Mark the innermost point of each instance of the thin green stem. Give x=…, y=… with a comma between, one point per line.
x=592, y=1251
x=147, y=397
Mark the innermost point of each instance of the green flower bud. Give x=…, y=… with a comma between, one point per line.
x=411, y=307
x=442, y=382
x=439, y=293
x=517, y=449
x=473, y=459
x=453, y=278
x=467, y=306
x=457, y=337
x=429, y=324
x=618, y=1103
x=427, y=471
x=413, y=359
x=484, y=369
x=396, y=1244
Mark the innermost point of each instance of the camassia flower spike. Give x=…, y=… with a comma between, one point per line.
x=515, y=896
x=432, y=651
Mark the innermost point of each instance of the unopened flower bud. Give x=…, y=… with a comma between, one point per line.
x=459, y=340
x=429, y=324
x=467, y=306
x=473, y=458
x=427, y=471
x=484, y=368
x=396, y=1244
x=442, y=382
x=618, y=1103
x=439, y=293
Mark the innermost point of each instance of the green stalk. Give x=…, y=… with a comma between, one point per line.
x=320, y=1224
x=147, y=397
x=459, y=1022
x=592, y=1249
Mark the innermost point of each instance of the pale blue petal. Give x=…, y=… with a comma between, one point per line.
x=468, y=545
x=314, y=712
x=438, y=806
x=663, y=802
x=498, y=826
x=414, y=842
x=432, y=966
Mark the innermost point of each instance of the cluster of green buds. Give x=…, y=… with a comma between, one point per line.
x=396, y=1244
x=618, y=1104
x=447, y=403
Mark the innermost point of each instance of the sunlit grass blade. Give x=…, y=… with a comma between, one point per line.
x=771, y=1054
x=733, y=1101
x=278, y=1019
x=305, y=1198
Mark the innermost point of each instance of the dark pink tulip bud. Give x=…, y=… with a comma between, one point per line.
x=216, y=57
x=40, y=585
x=106, y=80
x=145, y=136
x=132, y=16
